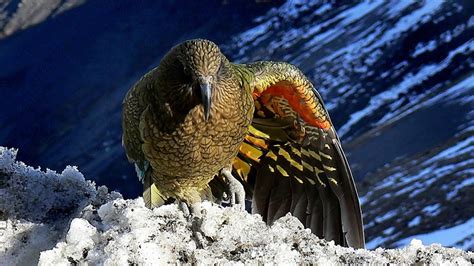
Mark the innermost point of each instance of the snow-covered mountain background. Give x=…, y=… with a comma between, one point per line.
x=396, y=76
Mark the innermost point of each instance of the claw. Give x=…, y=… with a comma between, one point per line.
x=189, y=210
x=236, y=190
x=184, y=207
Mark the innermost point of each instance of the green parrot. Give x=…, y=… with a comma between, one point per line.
x=199, y=127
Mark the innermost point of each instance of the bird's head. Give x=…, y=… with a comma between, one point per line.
x=193, y=70
x=201, y=60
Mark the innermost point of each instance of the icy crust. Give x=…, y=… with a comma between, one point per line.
x=34, y=195
x=129, y=233
x=36, y=207
x=79, y=224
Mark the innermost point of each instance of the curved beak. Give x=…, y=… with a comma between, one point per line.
x=206, y=96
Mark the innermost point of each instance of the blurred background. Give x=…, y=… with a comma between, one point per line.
x=397, y=78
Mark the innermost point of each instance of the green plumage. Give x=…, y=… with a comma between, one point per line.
x=164, y=123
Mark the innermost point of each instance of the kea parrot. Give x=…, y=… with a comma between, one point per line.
x=200, y=127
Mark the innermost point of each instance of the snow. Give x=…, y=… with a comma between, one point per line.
x=457, y=92
x=345, y=18
x=430, y=174
x=39, y=206
x=388, y=215
x=81, y=236
x=415, y=221
x=388, y=231
x=253, y=33
x=445, y=172
x=466, y=182
x=424, y=47
x=447, y=237
x=398, y=7
x=466, y=145
x=374, y=243
x=432, y=210
x=32, y=12
x=409, y=22
x=62, y=219
x=392, y=94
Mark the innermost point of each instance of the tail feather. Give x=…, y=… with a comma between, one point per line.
x=151, y=194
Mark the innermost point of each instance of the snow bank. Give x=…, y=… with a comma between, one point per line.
x=37, y=207
x=56, y=218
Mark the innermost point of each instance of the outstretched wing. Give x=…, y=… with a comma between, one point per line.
x=292, y=159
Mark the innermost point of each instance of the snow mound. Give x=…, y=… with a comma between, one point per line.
x=56, y=218
x=36, y=207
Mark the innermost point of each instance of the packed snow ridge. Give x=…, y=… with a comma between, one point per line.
x=50, y=218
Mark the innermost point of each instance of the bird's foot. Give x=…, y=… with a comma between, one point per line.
x=189, y=210
x=192, y=213
x=197, y=232
x=235, y=189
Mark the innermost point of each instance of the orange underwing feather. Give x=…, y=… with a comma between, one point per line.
x=301, y=102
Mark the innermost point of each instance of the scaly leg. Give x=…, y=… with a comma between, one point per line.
x=192, y=213
x=236, y=190
x=184, y=207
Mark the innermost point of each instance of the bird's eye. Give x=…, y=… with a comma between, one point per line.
x=186, y=74
x=185, y=70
